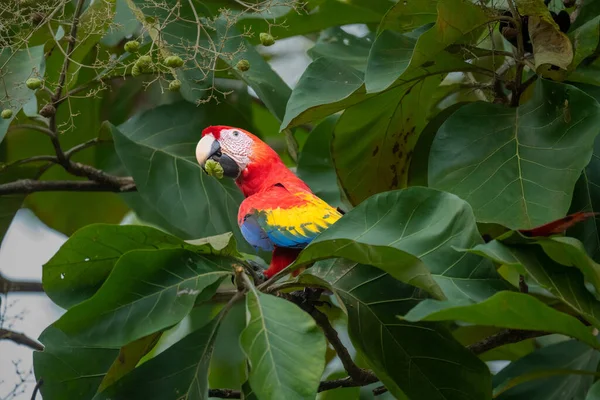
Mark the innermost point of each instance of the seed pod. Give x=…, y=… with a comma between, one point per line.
x=135, y=70
x=33, y=83
x=175, y=85
x=266, y=39
x=143, y=63
x=174, y=61
x=243, y=65
x=48, y=110
x=7, y=113
x=132, y=46
x=213, y=168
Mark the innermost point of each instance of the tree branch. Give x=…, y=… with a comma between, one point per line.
x=21, y=339
x=7, y=285
x=501, y=338
x=26, y=186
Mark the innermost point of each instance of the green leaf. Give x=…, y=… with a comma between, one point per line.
x=128, y=358
x=317, y=15
x=586, y=195
x=570, y=354
x=373, y=141
x=179, y=372
x=284, y=346
x=515, y=173
x=158, y=150
x=565, y=283
x=327, y=86
x=408, y=233
x=147, y=291
x=315, y=166
x=570, y=251
x=17, y=66
x=507, y=310
x=10, y=204
x=337, y=44
x=84, y=261
x=408, y=15
x=407, y=357
x=69, y=368
x=594, y=393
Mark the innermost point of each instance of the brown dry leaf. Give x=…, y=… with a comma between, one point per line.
x=552, y=49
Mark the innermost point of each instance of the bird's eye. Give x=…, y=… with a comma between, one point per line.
x=236, y=133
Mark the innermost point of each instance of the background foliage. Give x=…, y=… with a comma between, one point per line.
x=449, y=131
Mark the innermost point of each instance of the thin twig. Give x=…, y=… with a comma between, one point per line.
x=32, y=127
x=37, y=387
x=82, y=146
x=7, y=285
x=26, y=186
x=501, y=338
x=20, y=338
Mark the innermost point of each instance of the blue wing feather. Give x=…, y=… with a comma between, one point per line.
x=254, y=234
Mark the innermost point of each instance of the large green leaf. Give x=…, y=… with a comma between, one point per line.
x=507, y=310
x=315, y=166
x=315, y=15
x=84, y=261
x=418, y=360
x=179, y=372
x=158, y=148
x=586, y=195
x=70, y=369
x=17, y=66
x=337, y=44
x=403, y=231
x=285, y=348
x=147, y=291
x=522, y=163
x=565, y=283
x=570, y=355
x=408, y=15
x=594, y=393
x=326, y=86
x=373, y=141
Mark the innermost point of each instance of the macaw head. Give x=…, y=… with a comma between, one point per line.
x=233, y=148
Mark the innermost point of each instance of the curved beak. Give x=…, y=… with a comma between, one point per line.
x=209, y=148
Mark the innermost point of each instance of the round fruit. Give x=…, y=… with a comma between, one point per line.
x=175, y=85
x=6, y=114
x=266, y=39
x=243, y=65
x=174, y=61
x=213, y=168
x=132, y=46
x=33, y=83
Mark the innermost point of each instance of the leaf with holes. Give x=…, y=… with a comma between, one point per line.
x=522, y=163
x=408, y=357
x=284, y=346
x=408, y=233
x=147, y=291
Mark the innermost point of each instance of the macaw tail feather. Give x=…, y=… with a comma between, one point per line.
x=282, y=257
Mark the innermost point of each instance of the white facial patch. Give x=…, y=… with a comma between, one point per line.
x=237, y=145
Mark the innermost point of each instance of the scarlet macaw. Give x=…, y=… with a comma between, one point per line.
x=280, y=212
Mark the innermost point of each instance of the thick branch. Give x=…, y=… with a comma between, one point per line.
x=506, y=336
x=21, y=339
x=26, y=186
x=6, y=286
x=356, y=373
